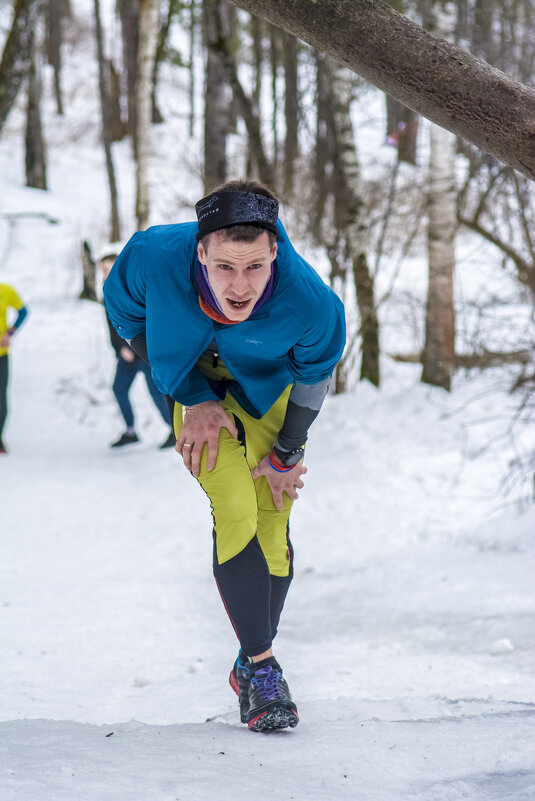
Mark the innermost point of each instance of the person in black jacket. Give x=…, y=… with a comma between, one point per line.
x=129, y=364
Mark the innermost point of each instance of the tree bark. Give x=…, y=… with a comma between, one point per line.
x=115, y=227
x=16, y=56
x=148, y=42
x=35, y=146
x=424, y=72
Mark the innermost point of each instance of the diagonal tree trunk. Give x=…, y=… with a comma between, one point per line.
x=424, y=72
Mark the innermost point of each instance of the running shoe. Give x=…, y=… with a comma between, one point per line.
x=270, y=703
x=125, y=439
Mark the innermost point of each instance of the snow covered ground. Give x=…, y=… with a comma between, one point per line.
x=407, y=638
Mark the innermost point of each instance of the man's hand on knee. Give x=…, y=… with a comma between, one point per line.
x=288, y=482
x=202, y=424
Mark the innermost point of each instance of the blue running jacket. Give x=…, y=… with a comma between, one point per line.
x=298, y=335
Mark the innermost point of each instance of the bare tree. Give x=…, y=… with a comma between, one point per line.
x=115, y=228
x=291, y=111
x=129, y=14
x=35, y=146
x=17, y=54
x=217, y=94
x=424, y=72
x=54, y=42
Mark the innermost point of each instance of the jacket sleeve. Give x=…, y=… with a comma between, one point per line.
x=125, y=290
x=313, y=358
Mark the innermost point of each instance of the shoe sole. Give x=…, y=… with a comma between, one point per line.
x=278, y=717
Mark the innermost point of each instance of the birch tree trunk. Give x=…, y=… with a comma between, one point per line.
x=438, y=357
x=424, y=72
x=439, y=351
x=148, y=41
x=349, y=208
x=16, y=56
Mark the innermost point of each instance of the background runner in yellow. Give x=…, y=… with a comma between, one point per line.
x=9, y=299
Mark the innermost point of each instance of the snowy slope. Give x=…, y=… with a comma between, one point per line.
x=407, y=637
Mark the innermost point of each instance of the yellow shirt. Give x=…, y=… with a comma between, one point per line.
x=8, y=299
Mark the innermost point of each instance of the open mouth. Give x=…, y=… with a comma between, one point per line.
x=238, y=304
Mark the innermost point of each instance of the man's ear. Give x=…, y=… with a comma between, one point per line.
x=201, y=253
x=274, y=252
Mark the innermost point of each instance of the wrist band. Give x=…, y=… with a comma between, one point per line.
x=275, y=464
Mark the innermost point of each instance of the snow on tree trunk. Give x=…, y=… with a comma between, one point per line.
x=424, y=72
x=439, y=349
x=148, y=40
x=16, y=56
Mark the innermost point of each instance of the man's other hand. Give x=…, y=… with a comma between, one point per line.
x=126, y=354
x=202, y=424
x=288, y=482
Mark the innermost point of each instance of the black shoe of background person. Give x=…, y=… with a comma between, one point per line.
x=170, y=442
x=125, y=439
x=3, y=449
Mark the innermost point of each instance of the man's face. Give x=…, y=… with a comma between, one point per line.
x=238, y=272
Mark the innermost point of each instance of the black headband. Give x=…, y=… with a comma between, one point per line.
x=221, y=209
